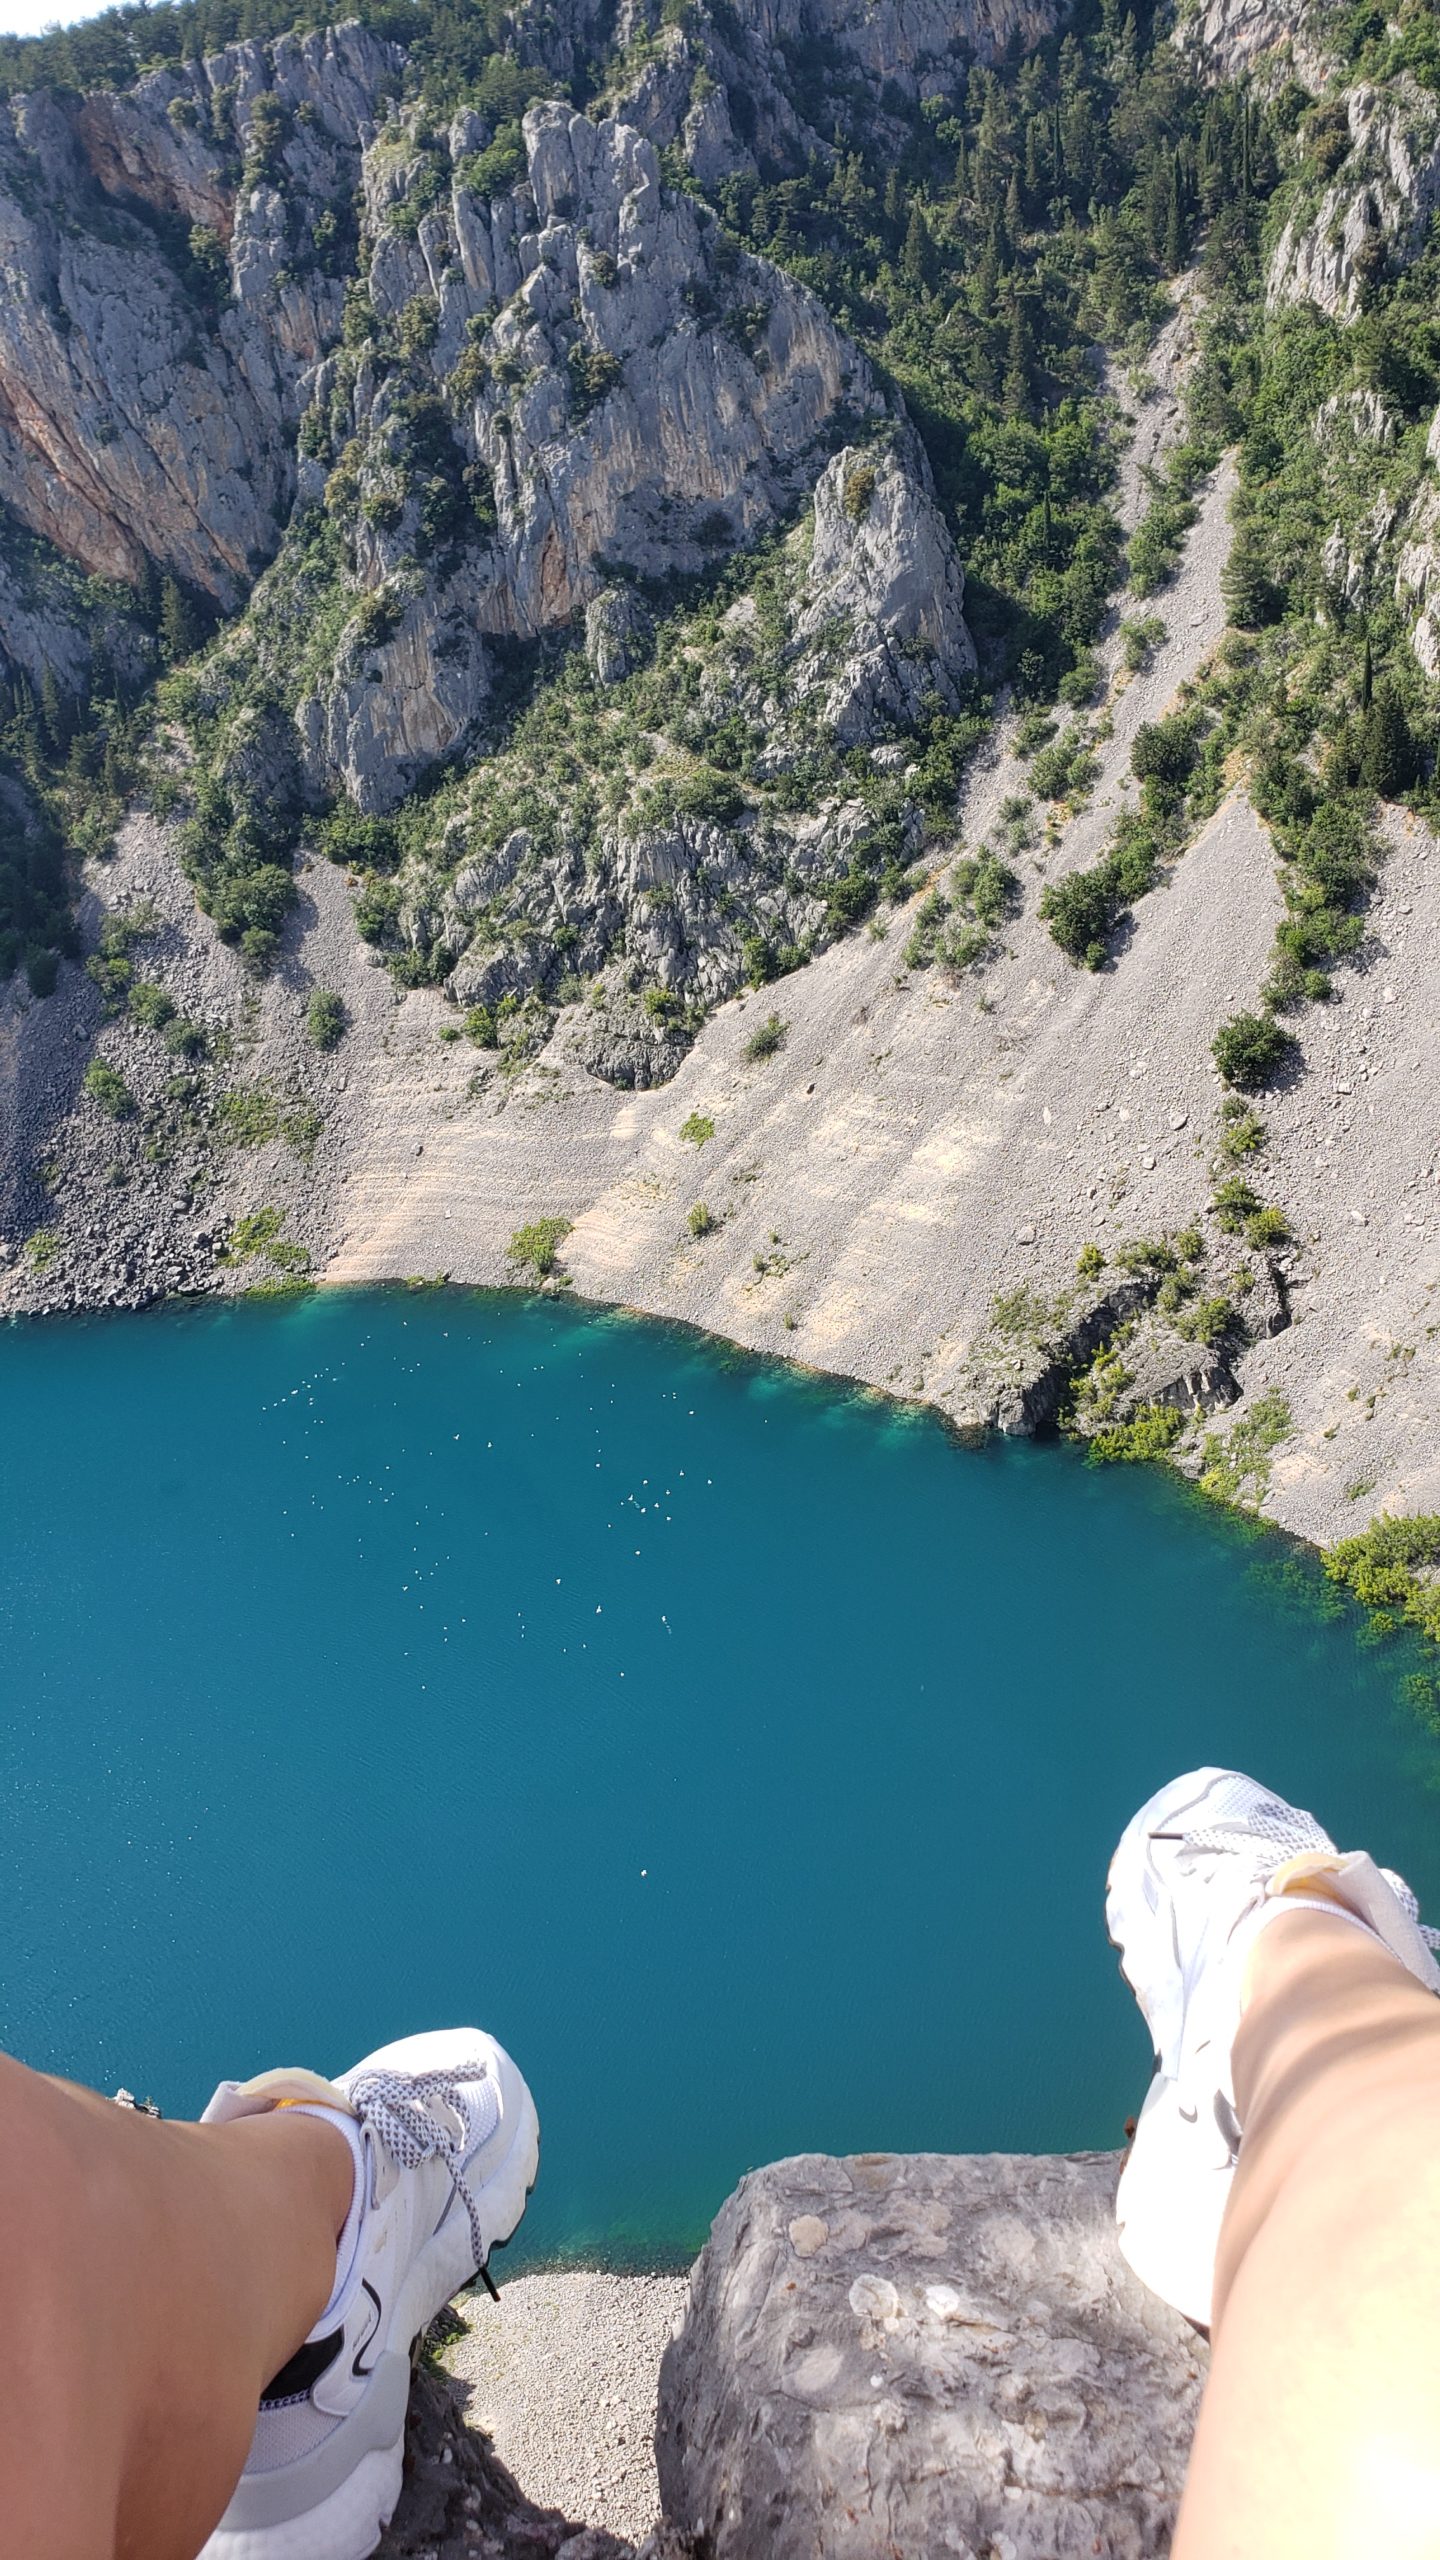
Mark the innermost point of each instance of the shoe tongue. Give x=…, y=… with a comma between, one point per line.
x=271, y=2089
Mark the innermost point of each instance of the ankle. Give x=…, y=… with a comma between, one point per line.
x=1296, y=1931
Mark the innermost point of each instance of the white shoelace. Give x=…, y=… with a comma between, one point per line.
x=395, y=2105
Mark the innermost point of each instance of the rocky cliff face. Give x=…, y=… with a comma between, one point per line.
x=1254, y=40
x=1375, y=210
x=171, y=263
x=623, y=393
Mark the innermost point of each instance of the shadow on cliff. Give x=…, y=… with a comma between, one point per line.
x=458, y=2495
x=46, y=1044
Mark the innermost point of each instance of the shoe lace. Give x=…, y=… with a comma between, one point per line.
x=1271, y=1833
x=1408, y=1903
x=397, y=2106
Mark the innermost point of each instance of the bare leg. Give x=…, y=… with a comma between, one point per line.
x=153, y=2277
x=1319, y=2434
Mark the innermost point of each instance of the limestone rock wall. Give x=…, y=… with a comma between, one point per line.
x=139, y=417
x=1374, y=212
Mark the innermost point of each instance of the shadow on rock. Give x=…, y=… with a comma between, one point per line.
x=459, y=2499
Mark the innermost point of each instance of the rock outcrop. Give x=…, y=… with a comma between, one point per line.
x=924, y=2355
x=885, y=587
x=161, y=294
x=624, y=392
x=1417, y=571
x=1373, y=214
x=1254, y=40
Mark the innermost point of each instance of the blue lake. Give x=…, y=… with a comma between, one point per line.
x=743, y=1751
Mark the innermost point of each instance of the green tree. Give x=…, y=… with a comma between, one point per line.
x=1388, y=759
x=178, y=633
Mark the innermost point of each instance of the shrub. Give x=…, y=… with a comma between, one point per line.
x=1250, y=1050
x=359, y=844
x=326, y=1018
x=249, y=1115
x=1065, y=770
x=1233, y=1203
x=702, y=1221
x=1244, y=1130
x=376, y=910
x=708, y=794
x=594, y=373
x=1269, y=1226
x=481, y=1026
x=858, y=490
x=498, y=167
x=107, y=1086
x=770, y=1036
x=1242, y=1458
x=151, y=1004
x=1167, y=751
x=536, y=1248
x=1391, y=1567
x=1089, y=1262
x=185, y=1038
x=699, y=1129
x=1151, y=1432
x=1139, y=638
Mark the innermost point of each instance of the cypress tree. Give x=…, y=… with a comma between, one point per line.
x=177, y=623
x=1175, y=223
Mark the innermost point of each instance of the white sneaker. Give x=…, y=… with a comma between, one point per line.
x=446, y=2145
x=1200, y=1870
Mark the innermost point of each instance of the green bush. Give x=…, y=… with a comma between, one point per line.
x=1392, y=1567
x=1151, y=1432
x=859, y=489
x=499, y=167
x=699, y=1129
x=151, y=1004
x=326, y=1018
x=1235, y=1201
x=1250, y=1050
x=767, y=1038
x=702, y=1221
x=536, y=1248
x=107, y=1086
x=359, y=844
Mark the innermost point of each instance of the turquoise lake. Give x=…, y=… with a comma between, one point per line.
x=747, y=1754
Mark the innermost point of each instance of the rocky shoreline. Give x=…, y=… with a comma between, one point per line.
x=899, y=1192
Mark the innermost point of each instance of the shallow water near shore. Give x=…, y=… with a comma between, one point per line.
x=743, y=1751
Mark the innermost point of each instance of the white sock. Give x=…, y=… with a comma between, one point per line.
x=348, y=2243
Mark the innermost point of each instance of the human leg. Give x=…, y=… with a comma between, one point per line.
x=182, y=2308
x=154, y=2276
x=1319, y=2433
x=1282, y=2187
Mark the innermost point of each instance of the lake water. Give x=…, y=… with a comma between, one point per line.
x=744, y=1752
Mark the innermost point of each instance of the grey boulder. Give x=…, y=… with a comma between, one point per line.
x=885, y=2358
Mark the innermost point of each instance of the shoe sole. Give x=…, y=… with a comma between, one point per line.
x=356, y=2474
x=1169, y=2204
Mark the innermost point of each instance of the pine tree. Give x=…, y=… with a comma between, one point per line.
x=1250, y=599
x=178, y=635
x=1175, y=223
x=1018, y=359
x=1388, y=762
x=54, y=723
x=917, y=258
x=1367, y=677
